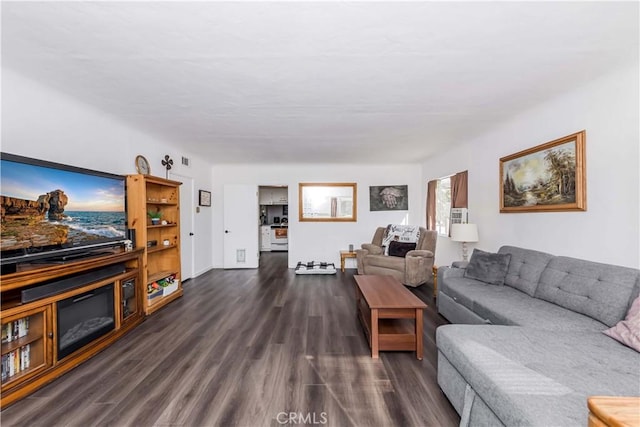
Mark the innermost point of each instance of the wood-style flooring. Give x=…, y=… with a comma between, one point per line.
x=249, y=348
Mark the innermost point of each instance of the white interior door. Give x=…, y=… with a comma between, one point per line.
x=241, y=226
x=187, y=241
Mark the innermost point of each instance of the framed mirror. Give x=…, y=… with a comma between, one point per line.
x=328, y=202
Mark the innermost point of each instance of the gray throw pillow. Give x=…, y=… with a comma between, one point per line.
x=488, y=267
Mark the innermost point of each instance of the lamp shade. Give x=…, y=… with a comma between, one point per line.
x=464, y=232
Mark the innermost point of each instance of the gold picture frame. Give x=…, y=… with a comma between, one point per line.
x=550, y=177
x=328, y=202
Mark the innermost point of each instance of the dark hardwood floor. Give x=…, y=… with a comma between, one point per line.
x=249, y=348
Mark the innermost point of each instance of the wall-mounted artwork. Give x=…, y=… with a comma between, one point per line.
x=204, y=198
x=548, y=177
x=389, y=198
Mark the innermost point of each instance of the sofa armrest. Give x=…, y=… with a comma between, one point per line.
x=418, y=267
x=420, y=252
x=445, y=272
x=459, y=264
x=373, y=249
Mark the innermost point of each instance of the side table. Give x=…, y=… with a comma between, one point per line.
x=343, y=256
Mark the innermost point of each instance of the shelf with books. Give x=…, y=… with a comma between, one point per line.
x=24, y=345
x=16, y=364
x=13, y=331
x=19, y=342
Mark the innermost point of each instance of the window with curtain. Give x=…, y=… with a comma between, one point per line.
x=443, y=205
x=442, y=195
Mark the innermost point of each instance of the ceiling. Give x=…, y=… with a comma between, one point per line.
x=325, y=82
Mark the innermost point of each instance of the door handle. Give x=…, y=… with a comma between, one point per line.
x=226, y=231
x=190, y=234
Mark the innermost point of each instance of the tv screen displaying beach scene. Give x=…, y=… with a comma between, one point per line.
x=48, y=205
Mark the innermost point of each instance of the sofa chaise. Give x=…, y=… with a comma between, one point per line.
x=530, y=351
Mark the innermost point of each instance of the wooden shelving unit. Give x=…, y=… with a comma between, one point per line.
x=161, y=242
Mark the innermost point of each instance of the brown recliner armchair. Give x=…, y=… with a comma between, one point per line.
x=412, y=270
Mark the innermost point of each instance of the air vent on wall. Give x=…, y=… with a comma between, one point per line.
x=185, y=161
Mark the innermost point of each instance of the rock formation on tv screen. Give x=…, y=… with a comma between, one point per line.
x=55, y=201
x=24, y=224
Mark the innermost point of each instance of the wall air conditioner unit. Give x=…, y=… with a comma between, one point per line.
x=459, y=215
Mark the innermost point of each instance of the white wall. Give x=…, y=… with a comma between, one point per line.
x=608, y=109
x=42, y=123
x=315, y=241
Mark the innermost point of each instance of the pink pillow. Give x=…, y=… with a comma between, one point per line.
x=627, y=331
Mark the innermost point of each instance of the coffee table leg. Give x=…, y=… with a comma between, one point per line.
x=374, y=333
x=419, y=344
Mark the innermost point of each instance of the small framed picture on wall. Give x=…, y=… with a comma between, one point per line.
x=204, y=198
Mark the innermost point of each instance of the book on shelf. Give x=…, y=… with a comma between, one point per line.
x=26, y=356
x=13, y=330
x=16, y=361
x=12, y=363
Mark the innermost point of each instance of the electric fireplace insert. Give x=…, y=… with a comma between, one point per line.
x=84, y=318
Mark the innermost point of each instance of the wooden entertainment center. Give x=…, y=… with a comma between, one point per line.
x=30, y=343
x=59, y=311
x=77, y=271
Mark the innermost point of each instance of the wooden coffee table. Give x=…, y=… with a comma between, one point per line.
x=390, y=314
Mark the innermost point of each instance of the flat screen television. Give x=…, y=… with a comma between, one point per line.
x=52, y=211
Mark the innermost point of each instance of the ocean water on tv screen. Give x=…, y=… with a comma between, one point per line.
x=102, y=224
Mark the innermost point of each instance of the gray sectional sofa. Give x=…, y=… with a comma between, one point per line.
x=530, y=351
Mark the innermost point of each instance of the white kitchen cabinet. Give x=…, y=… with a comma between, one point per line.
x=280, y=195
x=273, y=195
x=264, y=196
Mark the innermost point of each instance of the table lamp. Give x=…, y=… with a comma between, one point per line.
x=464, y=233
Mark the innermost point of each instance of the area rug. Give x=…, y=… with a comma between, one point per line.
x=313, y=267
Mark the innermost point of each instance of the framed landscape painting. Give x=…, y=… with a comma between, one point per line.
x=548, y=177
